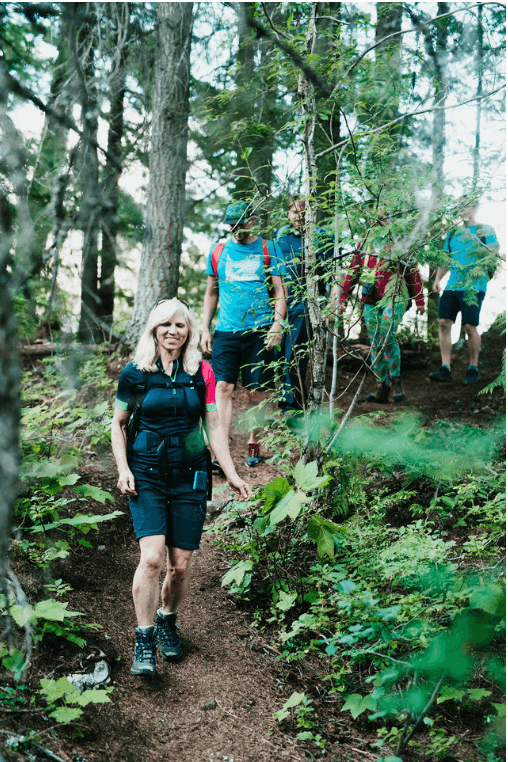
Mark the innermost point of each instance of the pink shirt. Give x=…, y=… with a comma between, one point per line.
x=209, y=380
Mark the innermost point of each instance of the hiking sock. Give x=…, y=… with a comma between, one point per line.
x=447, y=367
x=253, y=451
x=473, y=367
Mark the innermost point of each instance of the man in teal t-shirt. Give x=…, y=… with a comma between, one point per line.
x=473, y=252
x=245, y=277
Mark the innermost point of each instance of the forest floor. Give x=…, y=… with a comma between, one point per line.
x=218, y=702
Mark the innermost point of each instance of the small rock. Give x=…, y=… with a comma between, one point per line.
x=209, y=705
x=243, y=633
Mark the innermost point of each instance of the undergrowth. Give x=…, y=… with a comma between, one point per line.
x=66, y=416
x=386, y=569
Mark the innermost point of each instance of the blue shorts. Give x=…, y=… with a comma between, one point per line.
x=242, y=352
x=453, y=302
x=173, y=507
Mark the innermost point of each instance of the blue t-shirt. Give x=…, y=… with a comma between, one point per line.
x=244, y=299
x=290, y=250
x=468, y=252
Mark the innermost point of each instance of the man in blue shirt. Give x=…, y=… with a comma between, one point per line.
x=290, y=241
x=473, y=253
x=245, y=277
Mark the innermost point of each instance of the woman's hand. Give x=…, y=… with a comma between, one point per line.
x=126, y=483
x=241, y=488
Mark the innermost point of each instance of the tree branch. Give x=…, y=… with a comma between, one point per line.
x=23, y=92
x=408, y=116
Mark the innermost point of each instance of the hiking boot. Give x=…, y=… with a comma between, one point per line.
x=253, y=458
x=170, y=645
x=382, y=394
x=144, y=652
x=471, y=376
x=443, y=374
x=398, y=392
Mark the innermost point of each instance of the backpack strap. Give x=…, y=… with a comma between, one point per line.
x=217, y=251
x=133, y=427
x=266, y=263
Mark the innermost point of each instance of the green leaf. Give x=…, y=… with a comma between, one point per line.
x=57, y=689
x=321, y=531
x=95, y=696
x=306, y=476
x=237, y=573
x=54, y=610
x=65, y=714
x=491, y=598
x=274, y=491
x=449, y=693
x=294, y=700
x=80, y=520
x=289, y=506
x=478, y=693
x=357, y=704
x=88, y=490
x=286, y=600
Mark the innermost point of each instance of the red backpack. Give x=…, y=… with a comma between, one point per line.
x=217, y=251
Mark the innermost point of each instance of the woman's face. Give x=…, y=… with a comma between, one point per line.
x=172, y=334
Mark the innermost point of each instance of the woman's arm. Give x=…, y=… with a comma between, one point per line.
x=126, y=483
x=219, y=444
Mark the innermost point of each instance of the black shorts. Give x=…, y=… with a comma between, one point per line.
x=242, y=352
x=453, y=302
x=173, y=506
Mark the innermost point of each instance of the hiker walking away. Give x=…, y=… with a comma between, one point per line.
x=290, y=243
x=387, y=287
x=163, y=396
x=244, y=275
x=472, y=250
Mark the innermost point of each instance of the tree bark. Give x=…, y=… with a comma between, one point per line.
x=10, y=370
x=479, y=90
x=89, y=213
x=110, y=222
x=318, y=344
x=162, y=243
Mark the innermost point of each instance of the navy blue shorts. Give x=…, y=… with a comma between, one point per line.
x=245, y=353
x=173, y=507
x=453, y=302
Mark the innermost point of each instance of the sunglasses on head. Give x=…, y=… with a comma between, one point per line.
x=168, y=298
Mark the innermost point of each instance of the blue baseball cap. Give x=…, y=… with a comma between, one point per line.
x=237, y=212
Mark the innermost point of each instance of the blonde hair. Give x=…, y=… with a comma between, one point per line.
x=147, y=352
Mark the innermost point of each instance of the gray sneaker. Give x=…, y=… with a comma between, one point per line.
x=144, y=652
x=170, y=645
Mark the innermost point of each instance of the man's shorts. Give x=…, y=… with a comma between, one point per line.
x=453, y=302
x=172, y=506
x=242, y=352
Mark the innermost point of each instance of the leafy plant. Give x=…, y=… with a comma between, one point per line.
x=65, y=701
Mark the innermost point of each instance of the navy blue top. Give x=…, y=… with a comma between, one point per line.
x=169, y=410
x=290, y=245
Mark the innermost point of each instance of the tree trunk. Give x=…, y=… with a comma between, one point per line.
x=52, y=150
x=83, y=61
x=110, y=222
x=479, y=90
x=318, y=344
x=10, y=371
x=162, y=243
